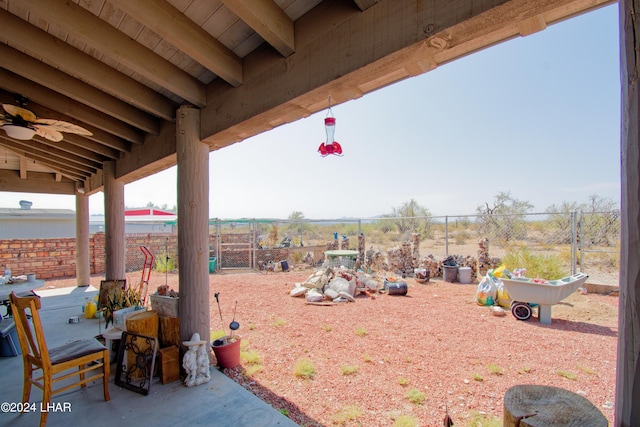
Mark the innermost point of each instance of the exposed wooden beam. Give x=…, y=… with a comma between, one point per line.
x=36, y=71
x=76, y=63
x=77, y=150
x=174, y=27
x=105, y=38
x=98, y=135
x=103, y=150
x=365, y=4
x=378, y=47
x=23, y=167
x=59, y=165
x=56, y=102
x=38, y=182
x=268, y=20
x=35, y=150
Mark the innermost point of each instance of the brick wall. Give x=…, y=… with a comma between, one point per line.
x=47, y=258
x=56, y=258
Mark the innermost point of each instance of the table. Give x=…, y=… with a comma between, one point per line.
x=6, y=289
x=341, y=253
x=341, y=257
x=111, y=335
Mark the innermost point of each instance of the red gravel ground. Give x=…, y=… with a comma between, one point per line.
x=436, y=341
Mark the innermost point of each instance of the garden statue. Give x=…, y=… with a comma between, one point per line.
x=191, y=362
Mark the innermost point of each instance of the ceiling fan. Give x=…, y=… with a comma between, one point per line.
x=20, y=123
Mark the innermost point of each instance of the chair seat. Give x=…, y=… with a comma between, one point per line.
x=74, y=350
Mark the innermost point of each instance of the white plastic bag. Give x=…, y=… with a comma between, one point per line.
x=488, y=290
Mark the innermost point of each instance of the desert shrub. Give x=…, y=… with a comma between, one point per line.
x=544, y=266
x=415, y=396
x=304, y=368
x=347, y=413
x=165, y=262
x=483, y=420
x=405, y=421
x=349, y=369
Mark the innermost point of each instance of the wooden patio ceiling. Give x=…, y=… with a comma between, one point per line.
x=121, y=68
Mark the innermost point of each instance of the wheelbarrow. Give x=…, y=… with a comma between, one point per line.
x=526, y=293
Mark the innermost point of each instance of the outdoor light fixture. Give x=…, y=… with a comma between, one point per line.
x=330, y=146
x=19, y=132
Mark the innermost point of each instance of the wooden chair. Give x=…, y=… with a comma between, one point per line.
x=55, y=361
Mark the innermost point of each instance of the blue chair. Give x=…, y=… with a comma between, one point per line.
x=9, y=346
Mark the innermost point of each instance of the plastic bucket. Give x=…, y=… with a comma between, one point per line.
x=465, y=274
x=212, y=264
x=450, y=273
x=227, y=355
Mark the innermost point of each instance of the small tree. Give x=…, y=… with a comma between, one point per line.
x=560, y=219
x=505, y=219
x=600, y=224
x=412, y=218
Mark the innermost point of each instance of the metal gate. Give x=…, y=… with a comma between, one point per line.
x=235, y=244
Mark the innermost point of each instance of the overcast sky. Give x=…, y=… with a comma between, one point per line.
x=537, y=116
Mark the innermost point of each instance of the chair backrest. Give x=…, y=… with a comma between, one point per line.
x=30, y=334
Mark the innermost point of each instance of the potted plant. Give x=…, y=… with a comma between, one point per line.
x=119, y=299
x=227, y=348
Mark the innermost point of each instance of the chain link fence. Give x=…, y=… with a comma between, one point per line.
x=575, y=241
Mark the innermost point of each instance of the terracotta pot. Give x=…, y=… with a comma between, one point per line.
x=227, y=355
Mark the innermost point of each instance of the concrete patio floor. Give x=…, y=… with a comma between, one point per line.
x=221, y=402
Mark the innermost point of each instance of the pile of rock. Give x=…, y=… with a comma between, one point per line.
x=361, y=260
x=375, y=261
x=344, y=244
x=401, y=259
x=416, y=249
x=467, y=261
x=329, y=285
x=485, y=262
x=432, y=264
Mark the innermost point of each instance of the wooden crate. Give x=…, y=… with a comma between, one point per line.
x=165, y=306
x=169, y=365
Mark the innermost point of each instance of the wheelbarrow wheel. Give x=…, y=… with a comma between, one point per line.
x=521, y=310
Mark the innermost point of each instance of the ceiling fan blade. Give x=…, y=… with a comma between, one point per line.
x=19, y=111
x=48, y=133
x=61, y=126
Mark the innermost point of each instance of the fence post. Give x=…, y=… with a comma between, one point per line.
x=574, y=241
x=253, y=237
x=446, y=236
x=218, y=252
x=581, y=228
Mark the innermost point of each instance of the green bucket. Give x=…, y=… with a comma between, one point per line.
x=212, y=264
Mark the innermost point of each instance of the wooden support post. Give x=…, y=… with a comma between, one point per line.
x=114, y=224
x=193, y=223
x=627, y=412
x=83, y=266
